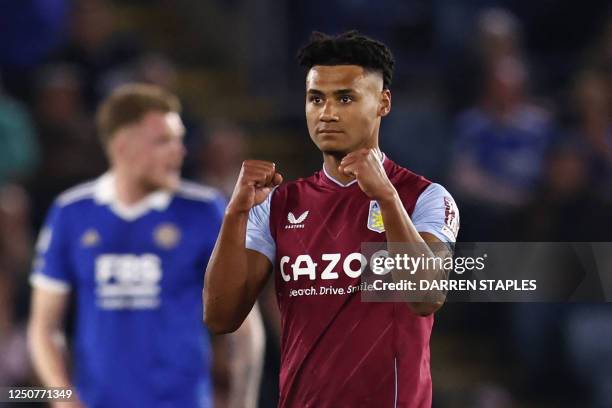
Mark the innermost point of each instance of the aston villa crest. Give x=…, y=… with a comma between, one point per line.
x=167, y=236
x=375, y=220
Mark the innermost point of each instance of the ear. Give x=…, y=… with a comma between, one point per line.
x=117, y=146
x=385, y=103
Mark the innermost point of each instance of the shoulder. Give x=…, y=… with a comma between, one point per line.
x=435, y=191
x=198, y=193
x=199, y=202
x=471, y=122
x=437, y=212
x=76, y=194
x=68, y=205
x=534, y=118
x=407, y=181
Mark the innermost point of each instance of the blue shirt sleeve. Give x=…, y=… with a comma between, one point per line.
x=258, y=235
x=436, y=212
x=51, y=267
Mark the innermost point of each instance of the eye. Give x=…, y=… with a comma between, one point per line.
x=315, y=99
x=346, y=99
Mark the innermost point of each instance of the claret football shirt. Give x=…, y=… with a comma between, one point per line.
x=336, y=350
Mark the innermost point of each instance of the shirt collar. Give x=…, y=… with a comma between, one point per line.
x=105, y=193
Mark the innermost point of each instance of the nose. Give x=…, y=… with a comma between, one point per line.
x=328, y=113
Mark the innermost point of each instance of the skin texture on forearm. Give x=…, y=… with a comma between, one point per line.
x=236, y=275
x=48, y=357
x=233, y=278
x=403, y=238
x=46, y=340
x=225, y=281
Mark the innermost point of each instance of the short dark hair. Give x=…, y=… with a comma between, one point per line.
x=349, y=48
x=128, y=104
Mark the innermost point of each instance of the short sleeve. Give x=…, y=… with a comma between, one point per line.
x=258, y=235
x=51, y=269
x=436, y=212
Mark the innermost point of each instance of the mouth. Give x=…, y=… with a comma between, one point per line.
x=329, y=131
x=173, y=170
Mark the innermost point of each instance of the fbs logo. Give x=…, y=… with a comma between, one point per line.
x=126, y=281
x=296, y=222
x=375, y=220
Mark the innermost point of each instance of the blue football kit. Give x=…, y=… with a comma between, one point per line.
x=136, y=274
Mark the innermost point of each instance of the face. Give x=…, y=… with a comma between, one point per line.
x=151, y=151
x=344, y=105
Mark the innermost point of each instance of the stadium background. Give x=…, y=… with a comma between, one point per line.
x=506, y=103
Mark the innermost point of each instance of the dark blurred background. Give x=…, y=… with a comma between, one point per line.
x=506, y=103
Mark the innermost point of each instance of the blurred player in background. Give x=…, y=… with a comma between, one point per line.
x=131, y=246
x=335, y=349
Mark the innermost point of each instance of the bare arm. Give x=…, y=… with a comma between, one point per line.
x=235, y=275
x=46, y=338
x=247, y=347
x=403, y=238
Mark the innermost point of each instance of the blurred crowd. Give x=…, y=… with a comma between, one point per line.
x=506, y=103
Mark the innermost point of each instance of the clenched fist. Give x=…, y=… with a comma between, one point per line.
x=365, y=165
x=256, y=180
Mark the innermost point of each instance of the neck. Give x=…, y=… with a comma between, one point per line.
x=331, y=162
x=129, y=191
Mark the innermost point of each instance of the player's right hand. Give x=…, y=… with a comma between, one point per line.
x=256, y=180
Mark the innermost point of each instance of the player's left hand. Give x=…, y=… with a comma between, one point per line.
x=366, y=167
